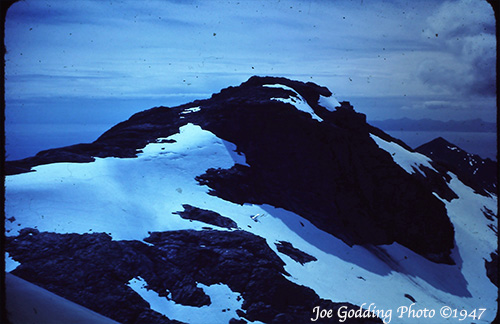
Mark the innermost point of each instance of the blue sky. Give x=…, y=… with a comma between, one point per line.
x=91, y=64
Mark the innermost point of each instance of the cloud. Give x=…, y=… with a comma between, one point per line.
x=435, y=105
x=439, y=104
x=449, y=108
x=140, y=49
x=464, y=31
x=148, y=43
x=460, y=18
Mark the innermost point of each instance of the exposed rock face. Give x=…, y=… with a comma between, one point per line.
x=476, y=172
x=207, y=216
x=123, y=140
x=294, y=253
x=492, y=268
x=93, y=270
x=330, y=172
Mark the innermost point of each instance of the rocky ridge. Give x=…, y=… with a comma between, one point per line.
x=478, y=173
x=322, y=164
x=330, y=172
x=93, y=270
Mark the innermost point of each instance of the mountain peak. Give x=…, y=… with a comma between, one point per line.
x=282, y=126
x=306, y=89
x=440, y=141
x=478, y=173
x=252, y=194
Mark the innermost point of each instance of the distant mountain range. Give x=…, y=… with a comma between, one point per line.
x=406, y=124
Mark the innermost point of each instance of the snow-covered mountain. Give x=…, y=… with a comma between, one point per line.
x=270, y=202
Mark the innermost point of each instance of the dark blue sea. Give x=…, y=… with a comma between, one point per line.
x=28, y=139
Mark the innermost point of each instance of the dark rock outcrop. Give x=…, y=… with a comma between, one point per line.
x=93, y=270
x=410, y=297
x=124, y=140
x=330, y=172
x=474, y=171
x=206, y=216
x=294, y=253
x=492, y=268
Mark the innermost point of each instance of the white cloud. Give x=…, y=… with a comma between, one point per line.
x=137, y=49
x=465, y=30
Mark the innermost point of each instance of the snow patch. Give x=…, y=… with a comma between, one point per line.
x=224, y=303
x=330, y=103
x=190, y=110
x=110, y=194
x=281, y=86
x=409, y=161
x=10, y=264
x=475, y=238
x=238, y=157
x=297, y=101
x=391, y=269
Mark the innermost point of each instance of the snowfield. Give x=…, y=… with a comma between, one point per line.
x=297, y=101
x=221, y=310
x=129, y=197
x=409, y=161
x=330, y=103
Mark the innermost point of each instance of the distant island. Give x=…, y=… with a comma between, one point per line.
x=406, y=124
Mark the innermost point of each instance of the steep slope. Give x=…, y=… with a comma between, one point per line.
x=321, y=164
x=272, y=187
x=478, y=173
x=196, y=261
x=44, y=306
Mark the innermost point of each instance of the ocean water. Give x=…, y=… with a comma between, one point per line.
x=28, y=139
x=25, y=140
x=480, y=143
